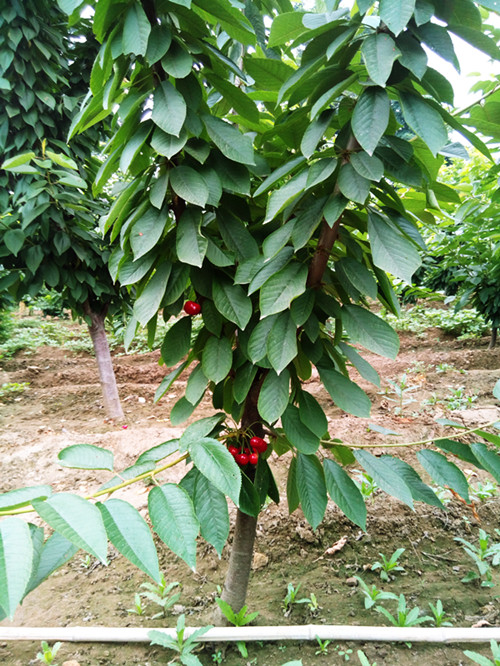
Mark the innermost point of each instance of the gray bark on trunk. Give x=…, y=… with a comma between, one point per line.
x=493, y=339
x=107, y=377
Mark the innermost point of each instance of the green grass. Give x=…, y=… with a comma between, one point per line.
x=463, y=324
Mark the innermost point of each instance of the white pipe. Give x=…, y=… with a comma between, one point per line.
x=308, y=632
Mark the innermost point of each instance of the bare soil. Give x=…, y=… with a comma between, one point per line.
x=63, y=406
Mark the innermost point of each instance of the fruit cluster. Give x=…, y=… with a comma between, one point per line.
x=244, y=455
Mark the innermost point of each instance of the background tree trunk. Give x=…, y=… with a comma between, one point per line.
x=493, y=339
x=107, y=377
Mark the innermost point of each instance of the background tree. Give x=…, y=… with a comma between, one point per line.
x=263, y=171
x=48, y=220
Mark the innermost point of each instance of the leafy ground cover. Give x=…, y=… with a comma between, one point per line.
x=318, y=571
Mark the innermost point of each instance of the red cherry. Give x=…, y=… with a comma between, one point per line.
x=241, y=459
x=233, y=450
x=258, y=444
x=191, y=308
x=253, y=458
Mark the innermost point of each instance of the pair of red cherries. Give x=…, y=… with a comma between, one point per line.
x=246, y=457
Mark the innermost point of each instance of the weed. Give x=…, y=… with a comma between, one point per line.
x=217, y=657
x=161, y=595
x=184, y=647
x=343, y=653
x=482, y=491
x=484, y=661
x=290, y=599
x=138, y=607
x=440, y=618
x=405, y=617
x=441, y=368
x=365, y=483
x=48, y=654
x=466, y=323
x=373, y=594
x=11, y=389
x=239, y=619
x=363, y=659
x=458, y=399
x=390, y=565
x=400, y=390
x=322, y=646
x=484, y=557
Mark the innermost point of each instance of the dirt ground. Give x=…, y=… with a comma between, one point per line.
x=63, y=406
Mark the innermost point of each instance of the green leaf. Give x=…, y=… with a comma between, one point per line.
x=292, y=493
x=158, y=43
x=370, y=118
x=286, y=27
x=86, y=456
x=278, y=174
x=396, y=14
x=438, y=39
x=128, y=532
x=232, y=144
x=196, y=386
x=146, y=306
x=177, y=61
x=257, y=343
x=190, y=243
x=352, y=185
x=320, y=171
x=345, y=493
x=16, y=559
x=158, y=452
x=314, y=133
x=334, y=208
x=419, y=490
x=146, y=232
x=282, y=197
x=136, y=30
x=364, y=368
x=177, y=341
x=249, y=501
x=217, y=358
x=200, y=429
x=281, y=288
x=274, y=395
x=392, y=252
x=17, y=160
x=384, y=476
x=268, y=73
x=345, y=393
x=459, y=449
x=56, y=551
x=379, y=52
x=169, y=109
x=488, y=459
x=444, y=472
x=77, y=520
x=367, y=166
x=233, y=95
x=243, y=381
x=496, y=390
x=269, y=268
x=210, y=506
x=277, y=240
x=424, y=121
x=173, y=518
x=297, y=433
x=369, y=330
x=282, y=342
x=61, y=159
x=311, y=414
x=329, y=97
x=167, y=144
x=14, y=240
x=232, y=302
x=14, y=499
x=215, y=462
x=413, y=56
x=189, y=185
x=311, y=488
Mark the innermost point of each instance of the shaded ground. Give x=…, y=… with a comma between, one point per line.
x=63, y=406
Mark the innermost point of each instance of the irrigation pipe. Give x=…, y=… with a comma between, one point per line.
x=309, y=632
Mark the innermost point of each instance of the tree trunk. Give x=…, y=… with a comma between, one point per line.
x=105, y=364
x=245, y=528
x=493, y=339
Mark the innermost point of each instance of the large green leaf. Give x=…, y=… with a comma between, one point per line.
x=249, y=501
x=146, y=232
x=169, y=109
x=292, y=493
x=346, y=394
x=189, y=185
x=196, y=386
x=217, y=358
x=77, y=520
x=314, y=133
x=14, y=499
x=274, y=395
x=216, y=463
x=199, y=430
x=367, y=166
x=158, y=452
x=312, y=415
x=419, y=490
x=210, y=506
x=286, y=27
x=488, y=459
x=365, y=369
x=370, y=118
x=379, y=52
x=177, y=61
x=172, y=515
x=345, y=493
x=128, y=532
x=168, y=144
x=257, y=343
x=413, y=56
x=269, y=268
x=136, y=30
x=86, y=456
x=232, y=302
x=392, y=251
x=297, y=433
x=281, y=343
x=424, y=121
x=444, y=472
x=371, y=331
x=352, y=185
x=282, y=197
x=56, y=551
x=268, y=73
x=311, y=488
x=190, y=243
x=14, y=240
x=278, y=174
x=396, y=14
x=146, y=306
x=177, y=341
x=234, y=145
x=384, y=475
x=281, y=288
x=16, y=558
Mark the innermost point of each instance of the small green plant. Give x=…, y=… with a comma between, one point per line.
x=441, y=368
x=363, y=659
x=440, y=618
x=48, y=654
x=365, y=483
x=184, y=647
x=11, y=389
x=372, y=594
x=390, y=565
x=458, y=399
x=404, y=617
x=400, y=390
x=161, y=595
x=484, y=557
x=484, y=661
x=138, y=608
x=322, y=646
x=346, y=654
x=217, y=657
x=480, y=491
x=290, y=599
x=239, y=619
